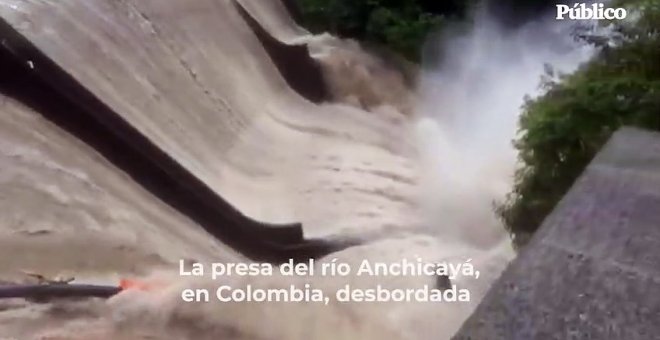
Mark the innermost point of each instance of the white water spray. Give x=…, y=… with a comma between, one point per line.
x=470, y=99
x=467, y=118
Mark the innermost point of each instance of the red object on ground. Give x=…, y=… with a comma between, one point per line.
x=139, y=285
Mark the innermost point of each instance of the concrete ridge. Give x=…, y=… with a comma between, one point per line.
x=295, y=64
x=58, y=97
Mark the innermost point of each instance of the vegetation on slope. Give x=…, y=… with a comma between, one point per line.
x=402, y=25
x=561, y=131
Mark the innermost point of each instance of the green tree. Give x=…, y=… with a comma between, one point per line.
x=401, y=25
x=562, y=130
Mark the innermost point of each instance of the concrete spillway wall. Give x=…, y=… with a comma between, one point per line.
x=592, y=271
x=56, y=95
x=199, y=106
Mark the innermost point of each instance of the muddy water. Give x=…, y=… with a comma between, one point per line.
x=411, y=172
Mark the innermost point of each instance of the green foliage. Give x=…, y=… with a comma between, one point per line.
x=402, y=25
x=404, y=32
x=562, y=130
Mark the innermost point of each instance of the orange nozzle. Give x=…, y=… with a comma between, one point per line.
x=135, y=284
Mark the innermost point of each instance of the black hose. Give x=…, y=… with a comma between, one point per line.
x=51, y=291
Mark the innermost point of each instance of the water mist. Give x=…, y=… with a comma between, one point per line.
x=471, y=93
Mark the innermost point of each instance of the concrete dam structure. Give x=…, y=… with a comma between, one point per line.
x=136, y=135
x=194, y=114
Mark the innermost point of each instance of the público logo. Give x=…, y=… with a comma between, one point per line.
x=582, y=11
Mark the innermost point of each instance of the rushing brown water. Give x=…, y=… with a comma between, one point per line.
x=465, y=117
x=410, y=172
